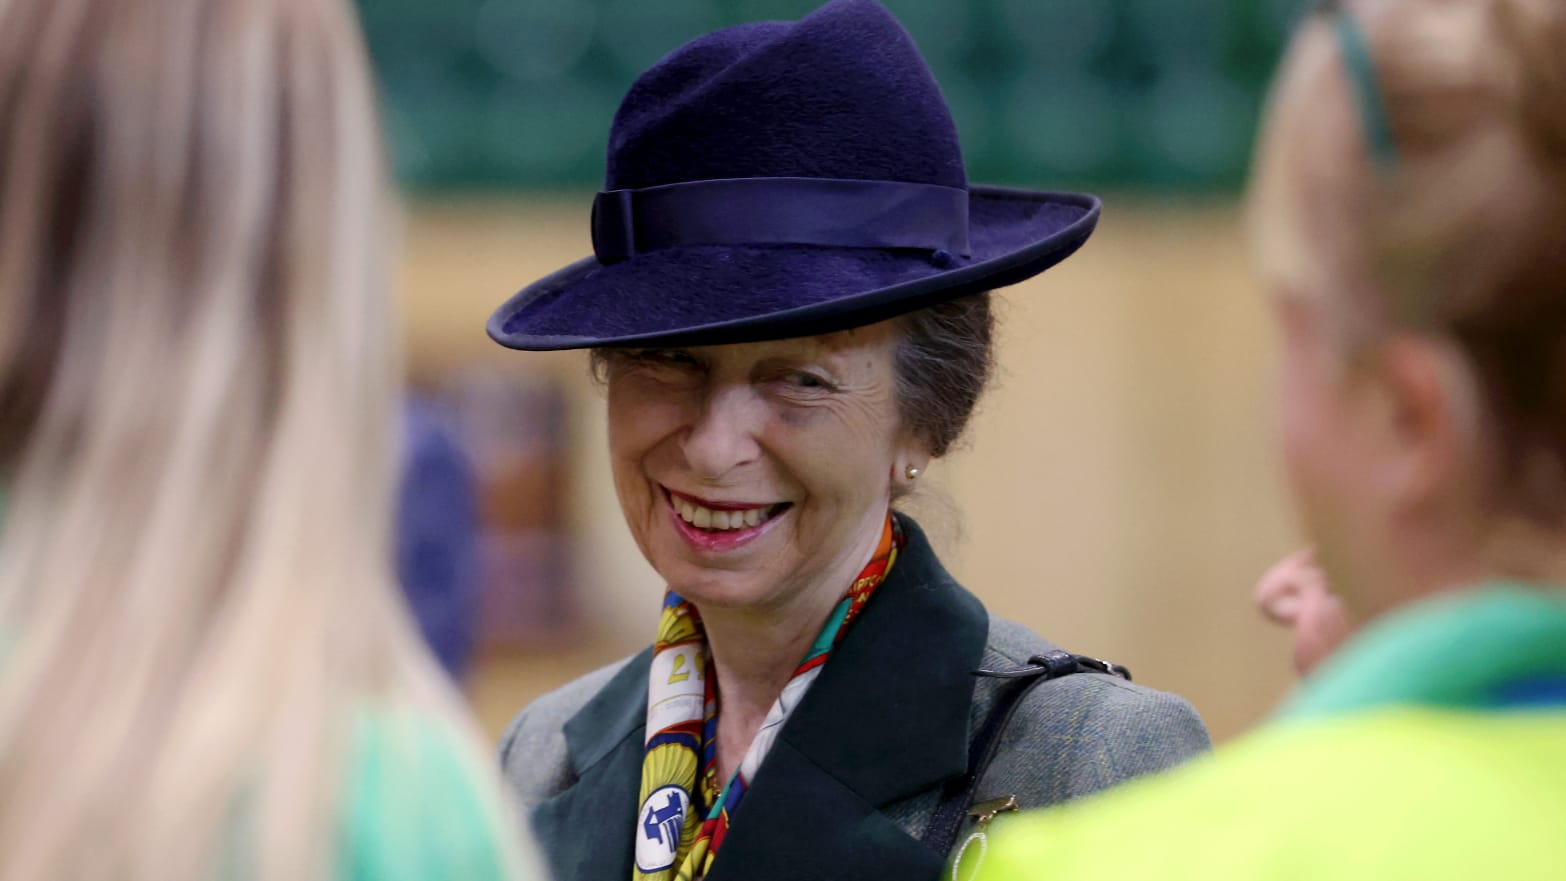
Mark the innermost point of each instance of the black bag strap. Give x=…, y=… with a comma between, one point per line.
x=941, y=832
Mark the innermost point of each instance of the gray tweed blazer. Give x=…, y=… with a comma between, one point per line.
x=858, y=770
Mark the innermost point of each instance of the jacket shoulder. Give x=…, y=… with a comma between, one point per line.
x=1080, y=733
x=533, y=754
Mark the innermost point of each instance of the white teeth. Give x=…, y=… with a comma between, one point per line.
x=706, y=518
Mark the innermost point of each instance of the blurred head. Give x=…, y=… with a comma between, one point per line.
x=196, y=379
x=753, y=474
x=1423, y=318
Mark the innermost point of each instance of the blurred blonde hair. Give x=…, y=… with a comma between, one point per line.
x=197, y=379
x=1463, y=235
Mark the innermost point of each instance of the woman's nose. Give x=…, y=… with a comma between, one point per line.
x=722, y=435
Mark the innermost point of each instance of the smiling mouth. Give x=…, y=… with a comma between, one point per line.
x=727, y=519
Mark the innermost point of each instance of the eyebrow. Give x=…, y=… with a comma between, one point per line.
x=813, y=359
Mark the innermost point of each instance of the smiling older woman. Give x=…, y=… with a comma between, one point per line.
x=789, y=307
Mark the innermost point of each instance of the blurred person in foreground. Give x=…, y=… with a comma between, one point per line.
x=1410, y=210
x=789, y=307
x=205, y=668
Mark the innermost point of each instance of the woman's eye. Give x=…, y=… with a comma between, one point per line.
x=667, y=357
x=666, y=366
x=802, y=380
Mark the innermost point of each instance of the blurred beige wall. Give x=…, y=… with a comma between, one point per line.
x=1118, y=492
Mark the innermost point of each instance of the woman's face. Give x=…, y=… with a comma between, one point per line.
x=752, y=474
x=1321, y=437
x=1302, y=234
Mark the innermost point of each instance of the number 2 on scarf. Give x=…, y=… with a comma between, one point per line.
x=675, y=675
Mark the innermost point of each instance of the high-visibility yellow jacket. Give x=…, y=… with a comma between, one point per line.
x=1433, y=746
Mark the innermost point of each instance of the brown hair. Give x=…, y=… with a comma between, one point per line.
x=944, y=362
x=1464, y=235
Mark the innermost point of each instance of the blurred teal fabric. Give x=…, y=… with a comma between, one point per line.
x=416, y=810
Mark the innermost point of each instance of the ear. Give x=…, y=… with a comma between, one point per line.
x=1429, y=419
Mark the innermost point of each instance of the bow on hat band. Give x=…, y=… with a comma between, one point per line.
x=827, y=212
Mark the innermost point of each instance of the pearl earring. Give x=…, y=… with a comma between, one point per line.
x=912, y=472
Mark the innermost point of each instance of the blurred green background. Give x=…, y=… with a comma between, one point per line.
x=1161, y=95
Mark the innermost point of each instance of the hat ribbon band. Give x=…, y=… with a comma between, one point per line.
x=827, y=212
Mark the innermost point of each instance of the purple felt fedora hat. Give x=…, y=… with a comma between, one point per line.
x=784, y=179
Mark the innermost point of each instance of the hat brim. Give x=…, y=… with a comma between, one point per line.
x=711, y=294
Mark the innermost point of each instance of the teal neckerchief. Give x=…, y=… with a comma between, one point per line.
x=1463, y=650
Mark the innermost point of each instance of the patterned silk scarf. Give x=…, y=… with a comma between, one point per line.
x=682, y=729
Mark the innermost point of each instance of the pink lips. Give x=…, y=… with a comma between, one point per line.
x=714, y=542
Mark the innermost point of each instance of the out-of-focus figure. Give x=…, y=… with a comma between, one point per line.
x=1295, y=594
x=205, y=668
x=1410, y=205
x=438, y=536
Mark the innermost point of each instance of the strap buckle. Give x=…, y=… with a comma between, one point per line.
x=1104, y=666
x=1053, y=665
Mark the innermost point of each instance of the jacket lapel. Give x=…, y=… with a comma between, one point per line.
x=888, y=718
x=586, y=831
